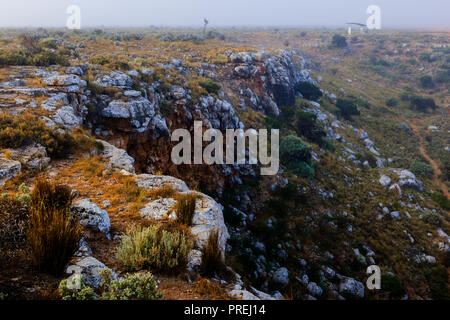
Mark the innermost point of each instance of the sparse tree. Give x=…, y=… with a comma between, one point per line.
x=205, y=24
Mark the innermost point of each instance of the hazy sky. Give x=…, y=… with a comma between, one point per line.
x=395, y=13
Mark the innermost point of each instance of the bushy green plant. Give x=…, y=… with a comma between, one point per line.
x=339, y=41
x=391, y=284
x=69, y=291
x=347, y=108
x=422, y=104
x=426, y=82
x=210, y=86
x=306, y=125
x=308, y=90
x=166, y=108
x=153, y=248
x=422, y=169
x=137, y=286
x=441, y=200
x=432, y=218
x=392, y=102
x=297, y=156
x=438, y=282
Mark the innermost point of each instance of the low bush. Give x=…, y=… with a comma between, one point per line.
x=297, y=156
x=210, y=86
x=438, y=282
x=53, y=234
x=392, y=102
x=166, y=108
x=426, y=82
x=185, y=208
x=339, y=41
x=347, y=108
x=18, y=131
x=441, y=200
x=14, y=216
x=306, y=125
x=308, y=90
x=153, y=248
x=392, y=285
x=68, y=289
x=422, y=104
x=432, y=218
x=421, y=169
x=137, y=286
x=212, y=261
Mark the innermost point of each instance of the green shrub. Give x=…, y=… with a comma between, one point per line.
x=306, y=125
x=426, y=82
x=210, y=86
x=153, y=248
x=438, y=282
x=391, y=284
x=53, y=233
x=441, y=200
x=166, y=108
x=296, y=155
x=138, y=286
x=42, y=58
x=339, y=41
x=421, y=169
x=432, y=218
x=422, y=103
x=392, y=102
x=70, y=292
x=308, y=90
x=347, y=108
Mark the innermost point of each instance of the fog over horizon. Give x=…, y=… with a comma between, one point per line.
x=401, y=14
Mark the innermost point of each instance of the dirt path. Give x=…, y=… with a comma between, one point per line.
x=436, y=169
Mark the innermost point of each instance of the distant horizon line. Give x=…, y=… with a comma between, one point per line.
x=344, y=26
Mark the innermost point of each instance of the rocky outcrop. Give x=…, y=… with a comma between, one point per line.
x=8, y=170
x=407, y=180
x=33, y=157
x=148, y=181
x=159, y=209
x=89, y=268
x=351, y=287
x=115, y=79
x=139, y=114
x=118, y=159
x=93, y=218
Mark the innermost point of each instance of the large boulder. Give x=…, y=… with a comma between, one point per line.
x=63, y=80
x=281, y=276
x=208, y=217
x=385, y=181
x=115, y=79
x=117, y=158
x=140, y=115
x=351, y=287
x=8, y=170
x=89, y=268
x=91, y=216
x=159, y=209
x=68, y=117
x=408, y=180
x=33, y=157
x=148, y=181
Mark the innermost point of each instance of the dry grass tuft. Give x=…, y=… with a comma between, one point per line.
x=185, y=208
x=53, y=233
